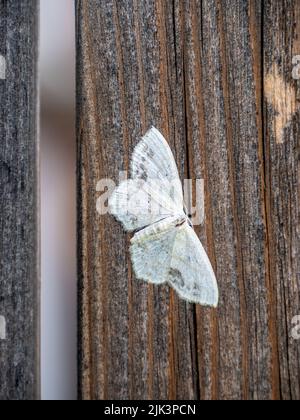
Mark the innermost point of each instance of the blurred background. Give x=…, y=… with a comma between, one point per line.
x=58, y=200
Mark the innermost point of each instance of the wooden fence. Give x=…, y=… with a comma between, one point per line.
x=220, y=79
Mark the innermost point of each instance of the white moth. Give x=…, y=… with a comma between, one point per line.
x=165, y=248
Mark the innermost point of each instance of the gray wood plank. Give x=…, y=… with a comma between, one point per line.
x=19, y=255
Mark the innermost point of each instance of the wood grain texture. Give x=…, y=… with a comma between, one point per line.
x=282, y=42
x=196, y=70
x=19, y=296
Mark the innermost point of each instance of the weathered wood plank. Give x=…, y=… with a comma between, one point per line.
x=282, y=135
x=19, y=272
x=195, y=70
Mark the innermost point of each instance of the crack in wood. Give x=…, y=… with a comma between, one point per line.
x=2, y=67
x=2, y=328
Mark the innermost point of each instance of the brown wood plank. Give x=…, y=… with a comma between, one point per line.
x=281, y=132
x=196, y=70
x=19, y=262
